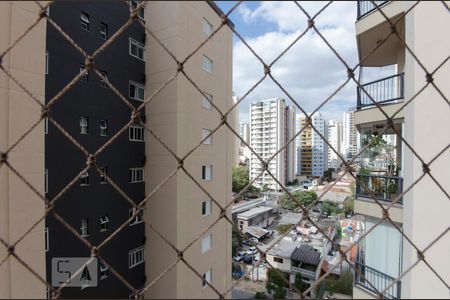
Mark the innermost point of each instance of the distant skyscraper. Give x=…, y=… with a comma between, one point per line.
x=350, y=135
x=272, y=125
x=244, y=132
x=335, y=140
x=312, y=156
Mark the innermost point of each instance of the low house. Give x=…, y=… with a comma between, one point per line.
x=280, y=254
x=306, y=260
x=261, y=216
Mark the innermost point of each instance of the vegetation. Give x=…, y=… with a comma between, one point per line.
x=302, y=198
x=236, y=241
x=293, y=182
x=260, y=295
x=328, y=174
x=349, y=205
x=276, y=284
x=331, y=208
x=283, y=228
x=299, y=284
x=240, y=180
x=265, y=188
x=343, y=285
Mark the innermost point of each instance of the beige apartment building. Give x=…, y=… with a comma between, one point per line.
x=179, y=115
x=390, y=168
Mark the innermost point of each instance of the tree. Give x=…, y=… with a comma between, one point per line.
x=265, y=188
x=349, y=205
x=240, y=180
x=328, y=174
x=299, y=284
x=276, y=284
x=236, y=241
x=331, y=208
x=260, y=295
x=302, y=198
x=343, y=285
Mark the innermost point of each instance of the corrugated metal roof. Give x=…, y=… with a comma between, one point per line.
x=306, y=254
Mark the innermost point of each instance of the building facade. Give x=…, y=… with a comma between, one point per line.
x=350, y=136
x=270, y=129
x=313, y=150
x=335, y=140
x=244, y=132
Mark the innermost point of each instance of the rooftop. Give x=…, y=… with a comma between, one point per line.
x=254, y=212
x=284, y=248
x=306, y=254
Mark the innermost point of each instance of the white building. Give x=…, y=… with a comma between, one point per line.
x=335, y=140
x=271, y=127
x=244, y=132
x=350, y=140
x=312, y=156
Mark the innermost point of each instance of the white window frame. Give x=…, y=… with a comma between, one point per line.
x=103, y=33
x=206, y=243
x=85, y=77
x=84, y=125
x=104, y=221
x=103, y=178
x=139, y=218
x=207, y=27
x=206, y=167
x=84, y=228
x=45, y=181
x=138, y=45
x=84, y=19
x=280, y=260
x=208, y=64
x=134, y=176
x=206, y=207
x=46, y=62
x=133, y=257
x=47, y=239
x=205, y=133
x=83, y=176
x=137, y=86
x=206, y=279
x=141, y=13
x=104, y=128
x=134, y=132
x=103, y=271
x=206, y=101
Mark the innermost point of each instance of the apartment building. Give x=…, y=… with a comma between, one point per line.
x=389, y=167
x=271, y=127
x=350, y=136
x=91, y=113
x=313, y=151
x=335, y=140
x=244, y=132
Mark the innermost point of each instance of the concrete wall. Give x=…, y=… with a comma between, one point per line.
x=20, y=208
x=426, y=207
x=177, y=116
x=284, y=267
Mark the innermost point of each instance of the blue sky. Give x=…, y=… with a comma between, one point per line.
x=310, y=72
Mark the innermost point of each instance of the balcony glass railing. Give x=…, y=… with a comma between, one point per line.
x=378, y=279
x=386, y=90
x=366, y=7
x=384, y=188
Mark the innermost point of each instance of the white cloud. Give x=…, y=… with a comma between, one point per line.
x=309, y=71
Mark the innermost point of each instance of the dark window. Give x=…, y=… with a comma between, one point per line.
x=103, y=31
x=84, y=21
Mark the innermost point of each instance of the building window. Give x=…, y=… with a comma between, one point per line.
x=84, y=227
x=136, y=133
x=136, y=175
x=138, y=218
x=207, y=64
x=206, y=172
x=85, y=76
x=103, y=271
x=207, y=243
x=205, y=133
x=134, y=5
x=46, y=125
x=206, y=208
x=207, y=27
x=84, y=21
x=278, y=260
x=46, y=181
x=135, y=257
x=206, y=278
x=136, y=49
x=84, y=125
x=46, y=62
x=85, y=278
x=206, y=101
x=104, y=223
x=84, y=179
x=103, y=31
x=103, y=178
x=47, y=241
x=103, y=83
x=103, y=127
x=136, y=91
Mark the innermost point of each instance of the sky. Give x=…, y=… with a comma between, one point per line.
x=310, y=72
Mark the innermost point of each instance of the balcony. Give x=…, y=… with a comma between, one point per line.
x=304, y=272
x=384, y=188
x=378, y=279
x=366, y=7
x=383, y=91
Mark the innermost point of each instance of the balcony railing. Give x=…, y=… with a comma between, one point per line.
x=307, y=273
x=384, y=188
x=382, y=91
x=378, y=279
x=366, y=7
